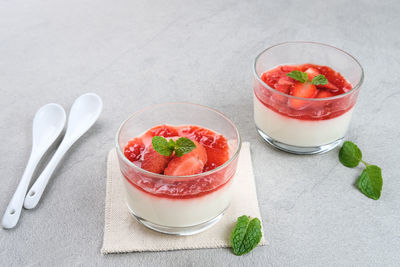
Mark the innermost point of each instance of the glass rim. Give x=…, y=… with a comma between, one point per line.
x=168, y=177
x=353, y=89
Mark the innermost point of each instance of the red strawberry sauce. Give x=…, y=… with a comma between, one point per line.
x=302, y=109
x=215, y=145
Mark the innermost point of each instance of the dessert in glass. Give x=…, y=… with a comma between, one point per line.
x=305, y=115
x=178, y=194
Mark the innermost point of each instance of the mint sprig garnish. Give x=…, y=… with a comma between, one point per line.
x=246, y=235
x=298, y=76
x=164, y=147
x=303, y=77
x=319, y=80
x=370, y=181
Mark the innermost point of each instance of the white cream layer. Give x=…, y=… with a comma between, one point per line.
x=177, y=212
x=296, y=132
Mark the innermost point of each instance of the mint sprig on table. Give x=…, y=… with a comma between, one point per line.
x=246, y=235
x=164, y=147
x=370, y=181
x=303, y=77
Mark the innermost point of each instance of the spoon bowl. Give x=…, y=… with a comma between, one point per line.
x=48, y=123
x=84, y=113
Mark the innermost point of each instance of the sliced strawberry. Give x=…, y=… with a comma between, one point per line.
x=305, y=90
x=188, y=164
x=286, y=80
x=153, y=161
x=164, y=131
x=330, y=86
x=215, y=144
x=283, y=85
x=284, y=88
x=205, y=137
x=215, y=158
x=271, y=77
x=323, y=94
x=335, y=79
x=311, y=72
x=134, y=149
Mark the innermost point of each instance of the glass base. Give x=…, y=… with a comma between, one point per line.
x=299, y=149
x=182, y=231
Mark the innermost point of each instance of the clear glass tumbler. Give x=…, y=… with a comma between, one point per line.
x=322, y=122
x=181, y=205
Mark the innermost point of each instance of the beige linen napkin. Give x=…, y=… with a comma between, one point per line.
x=122, y=233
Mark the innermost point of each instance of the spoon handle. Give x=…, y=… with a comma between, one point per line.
x=37, y=189
x=13, y=211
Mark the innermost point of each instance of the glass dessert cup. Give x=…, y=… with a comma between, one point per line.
x=321, y=123
x=181, y=205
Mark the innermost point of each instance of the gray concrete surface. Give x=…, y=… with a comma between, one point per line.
x=137, y=53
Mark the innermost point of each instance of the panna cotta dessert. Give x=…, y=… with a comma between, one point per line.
x=178, y=178
x=303, y=108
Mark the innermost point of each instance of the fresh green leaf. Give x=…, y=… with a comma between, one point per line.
x=183, y=146
x=162, y=146
x=370, y=182
x=350, y=155
x=246, y=235
x=319, y=80
x=238, y=233
x=171, y=144
x=298, y=76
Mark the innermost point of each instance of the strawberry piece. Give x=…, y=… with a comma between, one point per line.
x=188, y=164
x=283, y=85
x=323, y=94
x=215, y=144
x=311, y=72
x=134, y=149
x=284, y=88
x=335, y=80
x=305, y=90
x=153, y=161
x=330, y=86
x=272, y=77
x=164, y=131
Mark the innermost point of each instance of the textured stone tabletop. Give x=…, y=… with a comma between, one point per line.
x=137, y=53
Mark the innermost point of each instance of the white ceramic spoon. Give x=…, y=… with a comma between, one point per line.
x=84, y=113
x=48, y=123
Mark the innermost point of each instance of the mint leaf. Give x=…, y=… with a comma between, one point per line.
x=238, y=233
x=319, y=80
x=350, y=155
x=298, y=76
x=183, y=146
x=246, y=235
x=370, y=182
x=162, y=146
x=171, y=144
